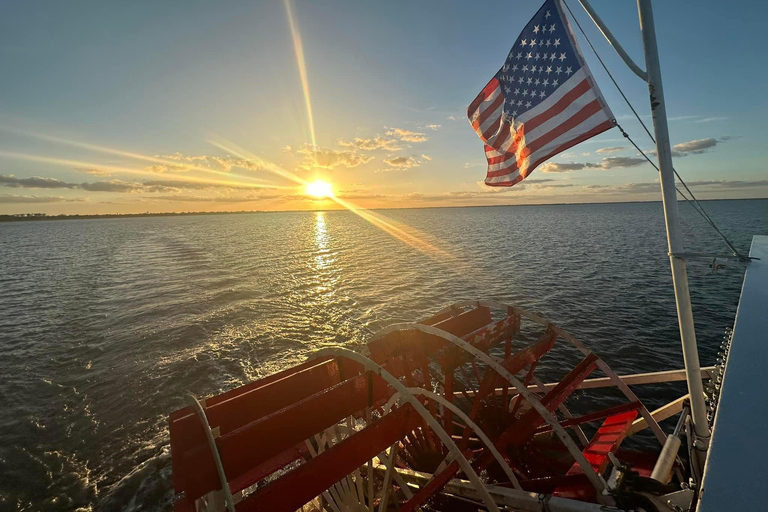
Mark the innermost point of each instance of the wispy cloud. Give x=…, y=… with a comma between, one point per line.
x=9, y=180
x=568, y=167
x=407, y=135
x=711, y=119
x=400, y=163
x=728, y=184
x=619, y=162
x=117, y=186
x=433, y=127
x=330, y=158
x=612, y=149
x=371, y=144
x=697, y=146
x=611, y=162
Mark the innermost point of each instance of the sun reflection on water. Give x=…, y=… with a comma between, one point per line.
x=323, y=257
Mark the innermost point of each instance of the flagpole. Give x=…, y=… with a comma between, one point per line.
x=674, y=233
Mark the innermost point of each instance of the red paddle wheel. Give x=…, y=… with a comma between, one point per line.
x=444, y=414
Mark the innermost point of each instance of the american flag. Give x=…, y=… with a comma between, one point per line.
x=541, y=102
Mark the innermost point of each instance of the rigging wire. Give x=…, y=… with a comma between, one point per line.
x=692, y=201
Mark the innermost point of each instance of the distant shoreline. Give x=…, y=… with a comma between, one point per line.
x=31, y=217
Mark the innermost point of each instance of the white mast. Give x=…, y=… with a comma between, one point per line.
x=652, y=76
x=674, y=234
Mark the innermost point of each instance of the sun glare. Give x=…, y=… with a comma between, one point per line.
x=320, y=189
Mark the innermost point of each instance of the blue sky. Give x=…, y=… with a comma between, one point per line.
x=166, y=78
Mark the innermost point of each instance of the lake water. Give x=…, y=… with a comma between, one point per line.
x=106, y=325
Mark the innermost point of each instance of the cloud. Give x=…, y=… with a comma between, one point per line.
x=287, y=149
x=377, y=142
x=94, y=171
x=678, y=118
x=711, y=119
x=110, y=186
x=114, y=185
x=433, y=127
x=329, y=158
x=400, y=163
x=426, y=157
x=697, y=146
x=555, y=167
x=613, y=149
x=620, y=162
x=407, y=135
x=193, y=162
x=9, y=180
x=728, y=184
x=11, y=198
x=611, y=162
x=160, y=168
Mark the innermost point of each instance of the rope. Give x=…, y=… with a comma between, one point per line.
x=692, y=201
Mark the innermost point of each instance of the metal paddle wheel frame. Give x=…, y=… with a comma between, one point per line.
x=444, y=414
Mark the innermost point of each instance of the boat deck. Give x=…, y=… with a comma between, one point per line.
x=735, y=475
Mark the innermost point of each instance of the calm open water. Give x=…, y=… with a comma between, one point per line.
x=106, y=325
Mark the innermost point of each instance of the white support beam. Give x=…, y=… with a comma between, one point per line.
x=660, y=414
x=636, y=379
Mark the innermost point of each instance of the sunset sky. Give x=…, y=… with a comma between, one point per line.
x=206, y=106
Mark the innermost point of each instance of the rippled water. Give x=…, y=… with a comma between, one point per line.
x=106, y=325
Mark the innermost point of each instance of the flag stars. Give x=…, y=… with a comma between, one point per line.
x=525, y=92
x=523, y=42
x=556, y=43
x=533, y=42
x=529, y=56
x=514, y=68
x=527, y=104
x=549, y=43
x=507, y=89
x=536, y=29
x=553, y=57
x=519, y=103
x=545, y=82
x=519, y=56
x=525, y=68
x=528, y=82
x=562, y=57
x=542, y=94
x=551, y=29
x=517, y=91
x=536, y=82
x=555, y=82
x=558, y=70
x=547, y=15
x=514, y=113
x=520, y=80
x=549, y=69
x=568, y=71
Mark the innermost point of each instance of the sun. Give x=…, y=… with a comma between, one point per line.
x=319, y=189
